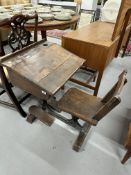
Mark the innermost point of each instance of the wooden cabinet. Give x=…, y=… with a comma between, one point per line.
x=93, y=43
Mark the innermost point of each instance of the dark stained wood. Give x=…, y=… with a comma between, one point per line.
x=89, y=108
x=43, y=116
x=80, y=104
x=81, y=137
x=43, y=34
x=116, y=89
x=19, y=37
x=128, y=146
x=55, y=66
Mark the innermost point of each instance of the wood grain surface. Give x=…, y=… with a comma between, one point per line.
x=125, y=5
x=98, y=33
x=45, y=67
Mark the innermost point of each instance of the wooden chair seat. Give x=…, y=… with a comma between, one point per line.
x=80, y=104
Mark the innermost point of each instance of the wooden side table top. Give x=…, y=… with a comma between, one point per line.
x=39, y=66
x=98, y=33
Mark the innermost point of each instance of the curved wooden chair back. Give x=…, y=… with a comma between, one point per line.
x=19, y=36
x=111, y=99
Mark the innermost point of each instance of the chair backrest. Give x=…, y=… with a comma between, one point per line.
x=19, y=36
x=111, y=99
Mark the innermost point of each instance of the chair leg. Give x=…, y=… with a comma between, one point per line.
x=125, y=47
x=2, y=52
x=98, y=82
x=31, y=118
x=126, y=157
x=81, y=137
x=43, y=34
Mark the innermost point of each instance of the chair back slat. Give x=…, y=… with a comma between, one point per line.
x=106, y=108
x=116, y=89
x=111, y=99
x=19, y=36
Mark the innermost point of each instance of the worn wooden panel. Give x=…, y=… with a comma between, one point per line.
x=125, y=5
x=48, y=68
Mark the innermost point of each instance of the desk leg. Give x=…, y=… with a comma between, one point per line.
x=2, y=53
x=81, y=137
x=126, y=157
x=43, y=34
x=36, y=112
x=98, y=82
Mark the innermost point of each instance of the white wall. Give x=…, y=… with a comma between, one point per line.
x=86, y=4
x=89, y=4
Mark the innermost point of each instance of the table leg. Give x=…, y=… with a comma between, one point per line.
x=81, y=137
x=2, y=53
x=43, y=34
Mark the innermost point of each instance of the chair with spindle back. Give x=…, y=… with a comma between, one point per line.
x=89, y=108
x=18, y=38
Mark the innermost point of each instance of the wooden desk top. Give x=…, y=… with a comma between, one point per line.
x=98, y=33
x=47, y=67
